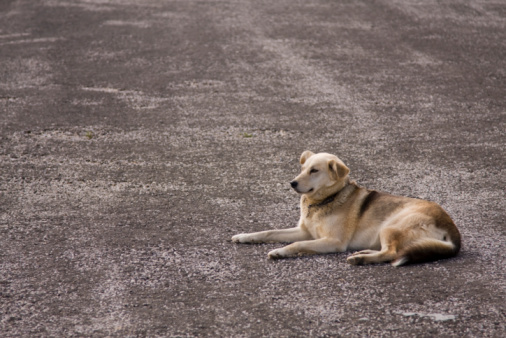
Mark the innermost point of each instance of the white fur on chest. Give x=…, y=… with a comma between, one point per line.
x=321, y=227
x=367, y=238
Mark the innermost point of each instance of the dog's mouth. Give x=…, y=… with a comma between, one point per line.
x=295, y=186
x=303, y=192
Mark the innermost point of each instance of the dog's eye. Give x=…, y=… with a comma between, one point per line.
x=312, y=171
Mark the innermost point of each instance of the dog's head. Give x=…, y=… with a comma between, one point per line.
x=319, y=172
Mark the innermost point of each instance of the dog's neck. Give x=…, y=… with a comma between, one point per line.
x=339, y=191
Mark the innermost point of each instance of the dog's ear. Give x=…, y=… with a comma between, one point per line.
x=338, y=169
x=305, y=155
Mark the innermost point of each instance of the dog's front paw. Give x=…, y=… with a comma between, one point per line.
x=241, y=238
x=276, y=253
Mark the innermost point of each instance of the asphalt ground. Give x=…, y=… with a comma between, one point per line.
x=138, y=136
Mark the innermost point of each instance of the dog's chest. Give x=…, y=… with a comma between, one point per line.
x=320, y=225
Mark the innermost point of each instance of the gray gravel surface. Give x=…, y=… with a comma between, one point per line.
x=137, y=136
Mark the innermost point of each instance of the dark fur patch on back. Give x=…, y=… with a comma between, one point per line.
x=366, y=203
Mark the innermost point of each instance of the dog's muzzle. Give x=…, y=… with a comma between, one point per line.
x=295, y=185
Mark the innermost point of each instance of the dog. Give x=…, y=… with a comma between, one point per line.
x=338, y=215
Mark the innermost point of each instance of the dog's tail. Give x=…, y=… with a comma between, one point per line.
x=429, y=248
x=426, y=250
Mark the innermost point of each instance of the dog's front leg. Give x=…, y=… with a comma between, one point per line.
x=273, y=236
x=317, y=246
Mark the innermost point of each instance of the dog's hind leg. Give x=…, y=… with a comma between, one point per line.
x=389, y=247
x=365, y=252
x=371, y=258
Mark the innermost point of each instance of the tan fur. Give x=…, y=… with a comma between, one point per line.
x=338, y=215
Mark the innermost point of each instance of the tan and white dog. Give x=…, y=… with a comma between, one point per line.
x=338, y=215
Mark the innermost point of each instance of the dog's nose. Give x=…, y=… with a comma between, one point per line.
x=293, y=184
